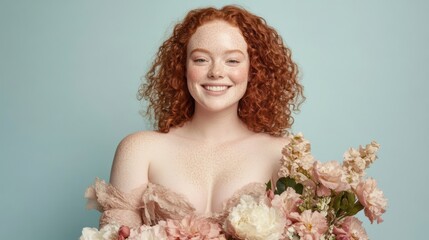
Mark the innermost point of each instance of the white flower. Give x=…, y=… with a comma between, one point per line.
x=255, y=221
x=89, y=234
x=323, y=205
x=108, y=232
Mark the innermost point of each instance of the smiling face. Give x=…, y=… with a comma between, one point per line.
x=217, y=66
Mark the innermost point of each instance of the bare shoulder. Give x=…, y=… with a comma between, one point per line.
x=132, y=158
x=273, y=143
x=273, y=147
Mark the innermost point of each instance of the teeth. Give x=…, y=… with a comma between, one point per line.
x=216, y=88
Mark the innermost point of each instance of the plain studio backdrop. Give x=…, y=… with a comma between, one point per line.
x=70, y=71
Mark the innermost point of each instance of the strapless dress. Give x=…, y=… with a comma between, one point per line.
x=155, y=204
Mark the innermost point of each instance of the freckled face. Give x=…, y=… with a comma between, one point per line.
x=217, y=66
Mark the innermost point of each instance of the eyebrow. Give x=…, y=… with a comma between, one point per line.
x=208, y=52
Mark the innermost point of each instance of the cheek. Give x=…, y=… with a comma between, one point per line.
x=193, y=74
x=240, y=75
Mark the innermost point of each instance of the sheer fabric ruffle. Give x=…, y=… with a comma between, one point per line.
x=156, y=203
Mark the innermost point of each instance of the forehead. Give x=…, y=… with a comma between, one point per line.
x=217, y=35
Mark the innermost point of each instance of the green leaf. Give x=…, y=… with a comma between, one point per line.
x=268, y=185
x=280, y=185
x=337, y=201
x=344, y=204
x=290, y=182
x=284, y=182
x=351, y=198
x=355, y=209
x=299, y=188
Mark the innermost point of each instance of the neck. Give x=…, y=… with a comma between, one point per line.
x=216, y=126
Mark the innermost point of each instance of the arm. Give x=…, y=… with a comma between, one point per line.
x=131, y=164
x=128, y=179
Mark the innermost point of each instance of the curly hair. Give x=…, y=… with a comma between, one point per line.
x=273, y=90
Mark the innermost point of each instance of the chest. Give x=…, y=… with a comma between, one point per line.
x=207, y=175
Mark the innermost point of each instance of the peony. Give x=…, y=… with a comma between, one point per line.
x=350, y=229
x=145, y=232
x=255, y=221
x=330, y=175
x=310, y=225
x=372, y=199
x=195, y=228
x=288, y=202
x=108, y=232
x=90, y=234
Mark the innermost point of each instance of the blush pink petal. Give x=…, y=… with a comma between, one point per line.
x=310, y=225
x=372, y=199
x=330, y=175
x=288, y=202
x=323, y=191
x=192, y=227
x=350, y=229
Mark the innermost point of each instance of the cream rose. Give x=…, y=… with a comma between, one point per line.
x=108, y=232
x=255, y=221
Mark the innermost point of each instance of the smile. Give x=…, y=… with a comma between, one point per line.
x=215, y=88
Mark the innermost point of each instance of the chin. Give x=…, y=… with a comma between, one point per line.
x=219, y=107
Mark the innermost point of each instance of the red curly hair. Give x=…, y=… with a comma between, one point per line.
x=273, y=90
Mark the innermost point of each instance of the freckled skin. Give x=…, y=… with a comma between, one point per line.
x=208, y=173
x=217, y=54
x=214, y=154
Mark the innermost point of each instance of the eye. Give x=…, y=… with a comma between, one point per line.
x=199, y=60
x=233, y=61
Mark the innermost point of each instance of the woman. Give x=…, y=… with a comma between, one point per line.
x=221, y=92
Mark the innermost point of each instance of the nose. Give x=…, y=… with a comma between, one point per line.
x=216, y=71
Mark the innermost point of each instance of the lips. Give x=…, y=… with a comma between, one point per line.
x=216, y=88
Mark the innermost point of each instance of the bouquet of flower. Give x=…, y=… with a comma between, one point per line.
x=191, y=227
x=310, y=200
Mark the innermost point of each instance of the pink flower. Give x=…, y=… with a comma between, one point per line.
x=350, y=229
x=156, y=232
x=287, y=202
x=194, y=228
x=323, y=191
x=372, y=199
x=270, y=194
x=310, y=225
x=123, y=232
x=330, y=175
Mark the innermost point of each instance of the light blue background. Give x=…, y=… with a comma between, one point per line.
x=70, y=70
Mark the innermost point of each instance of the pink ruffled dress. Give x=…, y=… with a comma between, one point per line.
x=155, y=204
